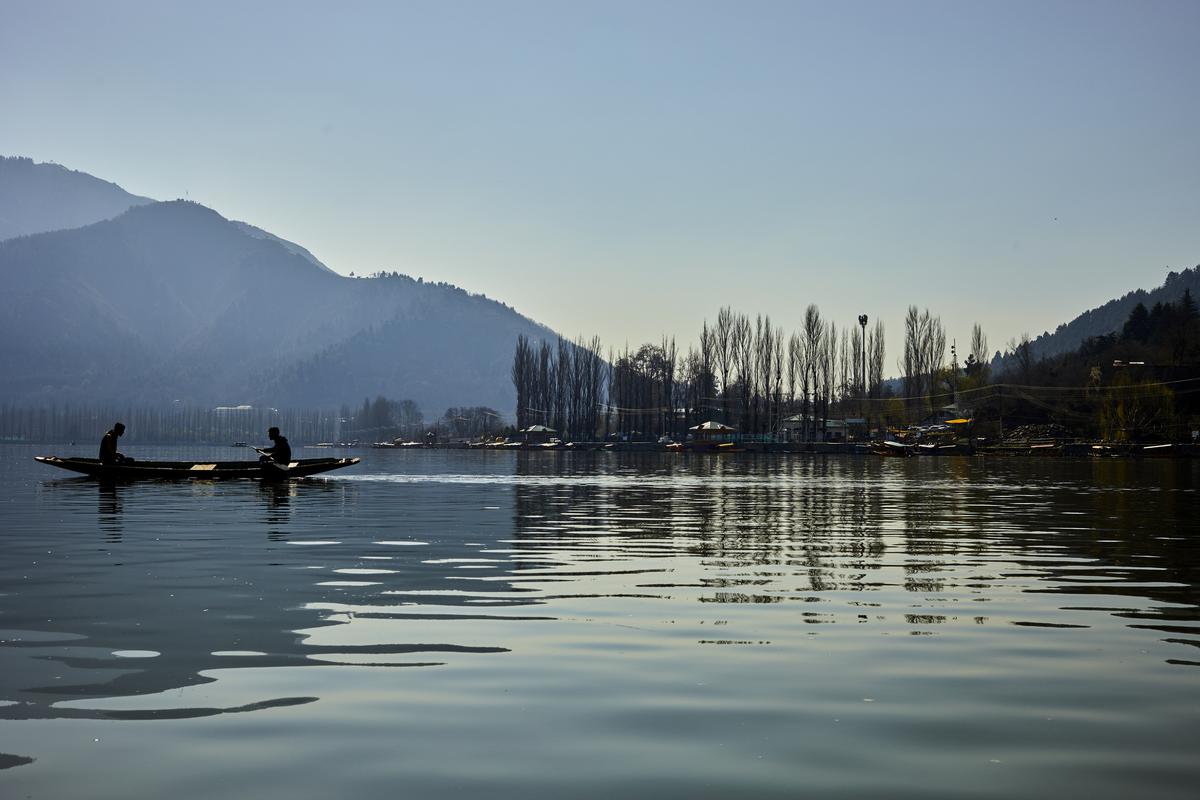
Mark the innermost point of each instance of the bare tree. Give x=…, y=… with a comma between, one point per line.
x=743, y=338
x=978, y=362
x=1021, y=352
x=778, y=357
x=876, y=351
x=828, y=371
x=545, y=382
x=911, y=366
x=762, y=371
x=707, y=345
x=924, y=355
x=813, y=337
x=666, y=377
x=795, y=361
x=857, y=381
x=522, y=375
x=562, y=386
x=726, y=354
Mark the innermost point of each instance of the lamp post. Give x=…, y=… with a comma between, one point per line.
x=862, y=400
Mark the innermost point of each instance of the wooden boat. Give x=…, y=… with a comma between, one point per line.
x=205, y=470
x=890, y=448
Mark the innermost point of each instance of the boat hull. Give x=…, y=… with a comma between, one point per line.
x=197, y=470
x=891, y=450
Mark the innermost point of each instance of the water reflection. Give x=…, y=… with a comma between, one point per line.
x=616, y=571
x=109, y=510
x=772, y=530
x=278, y=498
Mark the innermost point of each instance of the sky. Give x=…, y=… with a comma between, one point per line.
x=625, y=169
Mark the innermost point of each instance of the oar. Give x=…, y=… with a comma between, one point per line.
x=271, y=462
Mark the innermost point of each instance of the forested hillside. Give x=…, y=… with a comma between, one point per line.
x=1109, y=317
x=171, y=302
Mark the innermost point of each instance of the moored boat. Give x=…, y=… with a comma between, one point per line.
x=892, y=449
x=205, y=470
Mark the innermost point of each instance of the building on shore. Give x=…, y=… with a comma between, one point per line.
x=803, y=428
x=537, y=434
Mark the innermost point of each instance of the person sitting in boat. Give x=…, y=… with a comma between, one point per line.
x=280, y=452
x=108, y=446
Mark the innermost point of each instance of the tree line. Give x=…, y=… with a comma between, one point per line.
x=563, y=386
x=385, y=420
x=1139, y=383
x=747, y=372
x=756, y=376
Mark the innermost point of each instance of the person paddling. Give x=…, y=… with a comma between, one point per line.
x=108, y=446
x=280, y=452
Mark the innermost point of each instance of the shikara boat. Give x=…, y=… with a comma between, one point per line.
x=892, y=449
x=205, y=470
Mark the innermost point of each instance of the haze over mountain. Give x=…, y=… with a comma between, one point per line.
x=259, y=233
x=35, y=198
x=172, y=302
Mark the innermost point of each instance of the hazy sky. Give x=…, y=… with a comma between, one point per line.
x=627, y=168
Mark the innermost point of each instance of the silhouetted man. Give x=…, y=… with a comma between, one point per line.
x=108, y=446
x=280, y=452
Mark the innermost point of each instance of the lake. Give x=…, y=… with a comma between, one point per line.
x=551, y=625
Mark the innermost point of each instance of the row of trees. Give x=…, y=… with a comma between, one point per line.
x=563, y=386
x=744, y=371
x=381, y=419
x=758, y=377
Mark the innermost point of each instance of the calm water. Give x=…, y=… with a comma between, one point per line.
x=461, y=624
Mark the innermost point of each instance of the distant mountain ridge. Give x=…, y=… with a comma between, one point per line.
x=171, y=302
x=259, y=233
x=35, y=198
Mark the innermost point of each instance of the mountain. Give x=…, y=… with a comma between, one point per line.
x=173, y=302
x=1107, y=318
x=35, y=198
x=259, y=233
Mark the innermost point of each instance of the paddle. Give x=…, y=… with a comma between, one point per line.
x=271, y=462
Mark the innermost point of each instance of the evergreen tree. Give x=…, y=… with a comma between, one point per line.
x=1137, y=327
x=1187, y=306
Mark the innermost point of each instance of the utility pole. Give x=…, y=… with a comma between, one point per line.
x=862, y=400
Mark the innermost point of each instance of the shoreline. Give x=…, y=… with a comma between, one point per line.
x=1033, y=449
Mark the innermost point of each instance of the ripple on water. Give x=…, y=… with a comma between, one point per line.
x=754, y=627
